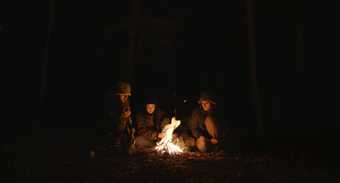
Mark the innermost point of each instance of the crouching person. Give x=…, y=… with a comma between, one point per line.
x=120, y=117
x=149, y=125
x=203, y=124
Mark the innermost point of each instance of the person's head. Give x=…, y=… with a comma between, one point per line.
x=151, y=104
x=123, y=98
x=206, y=105
x=207, y=101
x=123, y=91
x=150, y=108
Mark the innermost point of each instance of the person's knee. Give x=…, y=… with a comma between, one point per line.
x=142, y=142
x=189, y=141
x=201, y=144
x=139, y=141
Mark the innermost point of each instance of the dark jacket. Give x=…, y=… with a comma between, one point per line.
x=149, y=125
x=120, y=125
x=203, y=123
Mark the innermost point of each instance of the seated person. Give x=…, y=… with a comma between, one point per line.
x=149, y=125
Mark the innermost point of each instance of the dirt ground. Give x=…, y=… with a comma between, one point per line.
x=66, y=161
x=194, y=167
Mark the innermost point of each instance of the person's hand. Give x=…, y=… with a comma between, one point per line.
x=161, y=135
x=214, y=141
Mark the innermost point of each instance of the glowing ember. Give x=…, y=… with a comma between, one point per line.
x=166, y=143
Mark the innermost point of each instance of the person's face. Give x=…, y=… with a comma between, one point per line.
x=123, y=98
x=206, y=105
x=150, y=108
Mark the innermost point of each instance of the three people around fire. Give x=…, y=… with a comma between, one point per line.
x=203, y=129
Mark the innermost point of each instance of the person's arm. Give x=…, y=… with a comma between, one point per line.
x=193, y=124
x=140, y=124
x=124, y=117
x=211, y=125
x=142, y=129
x=164, y=121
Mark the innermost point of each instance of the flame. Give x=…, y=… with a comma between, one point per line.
x=166, y=144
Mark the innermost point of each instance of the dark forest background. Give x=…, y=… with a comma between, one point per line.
x=66, y=56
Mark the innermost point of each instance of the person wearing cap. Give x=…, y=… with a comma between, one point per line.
x=203, y=123
x=120, y=116
x=149, y=124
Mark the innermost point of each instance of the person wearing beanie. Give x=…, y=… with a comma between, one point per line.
x=149, y=124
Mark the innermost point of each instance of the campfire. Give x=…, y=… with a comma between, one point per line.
x=167, y=144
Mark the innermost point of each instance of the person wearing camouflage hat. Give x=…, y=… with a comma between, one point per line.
x=122, y=92
x=123, y=88
x=203, y=123
x=123, y=130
